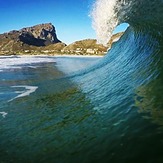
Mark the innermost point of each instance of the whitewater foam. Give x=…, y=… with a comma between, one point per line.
x=3, y=114
x=15, y=62
x=28, y=90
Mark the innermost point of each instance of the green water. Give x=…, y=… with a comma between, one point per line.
x=109, y=112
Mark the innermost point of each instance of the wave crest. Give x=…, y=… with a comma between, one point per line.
x=107, y=14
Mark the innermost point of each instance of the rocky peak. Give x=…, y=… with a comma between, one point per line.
x=45, y=33
x=38, y=35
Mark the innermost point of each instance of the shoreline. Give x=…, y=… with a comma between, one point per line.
x=47, y=55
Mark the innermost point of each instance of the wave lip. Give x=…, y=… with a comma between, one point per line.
x=107, y=14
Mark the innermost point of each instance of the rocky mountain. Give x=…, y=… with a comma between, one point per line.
x=42, y=39
x=24, y=39
x=39, y=35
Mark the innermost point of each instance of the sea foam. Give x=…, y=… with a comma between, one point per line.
x=15, y=62
x=3, y=114
x=28, y=90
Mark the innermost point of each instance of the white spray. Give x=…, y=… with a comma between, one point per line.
x=107, y=14
x=104, y=19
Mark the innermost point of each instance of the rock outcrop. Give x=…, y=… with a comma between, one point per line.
x=39, y=35
x=17, y=40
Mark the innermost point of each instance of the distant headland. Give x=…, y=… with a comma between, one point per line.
x=42, y=39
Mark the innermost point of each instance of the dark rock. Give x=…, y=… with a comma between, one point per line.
x=29, y=39
x=44, y=34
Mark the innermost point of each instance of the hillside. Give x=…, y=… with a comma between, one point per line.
x=42, y=39
x=90, y=46
x=29, y=38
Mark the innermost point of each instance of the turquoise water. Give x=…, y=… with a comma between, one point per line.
x=88, y=110
x=40, y=109
x=82, y=109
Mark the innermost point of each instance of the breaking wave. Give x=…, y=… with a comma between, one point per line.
x=107, y=14
x=109, y=113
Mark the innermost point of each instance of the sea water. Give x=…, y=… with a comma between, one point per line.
x=66, y=109
x=109, y=109
x=33, y=91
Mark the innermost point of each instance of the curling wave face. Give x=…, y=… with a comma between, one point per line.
x=138, y=54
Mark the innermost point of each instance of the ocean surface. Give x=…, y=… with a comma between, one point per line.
x=89, y=109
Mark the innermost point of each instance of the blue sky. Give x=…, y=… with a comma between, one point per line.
x=70, y=17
